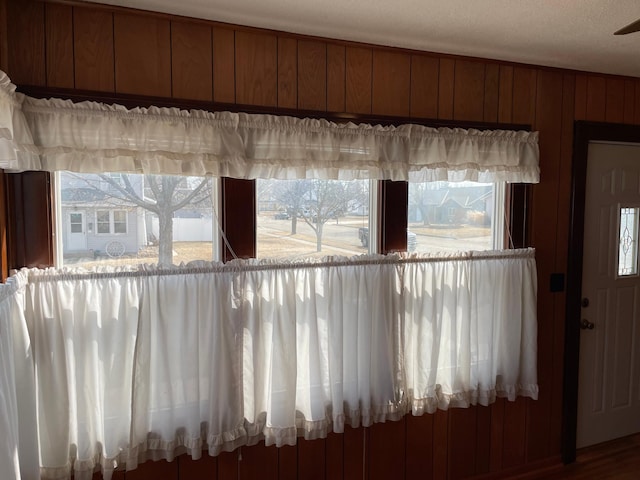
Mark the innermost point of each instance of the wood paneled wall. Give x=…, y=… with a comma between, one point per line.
x=114, y=50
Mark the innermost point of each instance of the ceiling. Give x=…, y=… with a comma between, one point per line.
x=574, y=34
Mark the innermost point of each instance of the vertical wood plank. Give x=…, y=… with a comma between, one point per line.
x=596, y=98
x=288, y=463
x=491, y=92
x=581, y=97
x=524, y=95
x=629, y=100
x=59, y=45
x=497, y=426
x=206, y=468
x=441, y=441
x=354, y=452
x=614, y=109
x=94, y=61
x=544, y=219
x=312, y=75
x=468, y=93
x=224, y=66
x=334, y=463
x=391, y=83
x=446, y=81
x=462, y=442
x=287, y=72
x=191, y=61
x=227, y=466
x=336, y=78
x=311, y=459
x=419, y=449
x=256, y=69
x=514, y=433
x=564, y=202
x=505, y=95
x=387, y=450
x=152, y=470
x=483, y=439
x=25, y=32
x=142, y=55
x=358, y=80
x=637, y=109
x=257, y=461
x=4, y=47
x=424, y=86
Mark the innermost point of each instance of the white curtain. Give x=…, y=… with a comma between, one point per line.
x=91, y=137
x=149, y=363
x=19, y=454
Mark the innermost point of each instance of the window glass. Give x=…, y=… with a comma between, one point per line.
x=628, y=242
x=132, y=219
x=102, y=221
x=76, y=222
x=120, y=221
x=312, y=218
x=448, y=217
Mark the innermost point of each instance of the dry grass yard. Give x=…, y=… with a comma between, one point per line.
x=275, y=240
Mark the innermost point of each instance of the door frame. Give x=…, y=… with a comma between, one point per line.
x=584, y=133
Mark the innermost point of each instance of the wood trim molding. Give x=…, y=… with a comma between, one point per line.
x=238, y=217
x=393, y=201
x=584, y=133
x=29, y=220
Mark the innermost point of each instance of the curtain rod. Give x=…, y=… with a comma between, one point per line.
x=132, y=101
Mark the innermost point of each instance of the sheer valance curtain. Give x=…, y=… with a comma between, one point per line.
x=91, y=137
x=104, y=369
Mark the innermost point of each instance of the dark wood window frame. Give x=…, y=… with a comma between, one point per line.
x=26, y=222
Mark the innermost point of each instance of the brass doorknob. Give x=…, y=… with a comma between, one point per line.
x=586, y=324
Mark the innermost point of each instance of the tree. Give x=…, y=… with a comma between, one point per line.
x=318, y=201
x=161, y=194
x=292, y=193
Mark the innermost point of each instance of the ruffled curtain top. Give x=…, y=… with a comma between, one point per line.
x=91, y=137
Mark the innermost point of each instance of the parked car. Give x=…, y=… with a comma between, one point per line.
x=412, y=238
x=282, y=216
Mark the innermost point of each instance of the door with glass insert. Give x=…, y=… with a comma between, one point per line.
x=76, y=231
x=609, y=379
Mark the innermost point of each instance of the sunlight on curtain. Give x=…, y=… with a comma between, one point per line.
x=152, y=363
x=18, y=438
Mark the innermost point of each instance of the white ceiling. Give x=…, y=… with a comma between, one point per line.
x=574, y=34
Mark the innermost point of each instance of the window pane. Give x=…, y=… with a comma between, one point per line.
x=446, y=217
x=133, y=219
x=312, y=218
x=103, y=221
x=75, y=223
x=120, y=221
x=628, y=244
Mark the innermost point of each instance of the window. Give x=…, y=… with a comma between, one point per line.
x=445, y=216
x=103, y=222
x=133, y=218
x=312, y=218
x=628, y=241
x=76, y=223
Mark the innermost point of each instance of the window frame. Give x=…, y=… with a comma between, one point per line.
x=27, y=234
x=112, y=222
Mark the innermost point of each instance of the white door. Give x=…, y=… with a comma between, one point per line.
x=609, y=378
x=76, y=232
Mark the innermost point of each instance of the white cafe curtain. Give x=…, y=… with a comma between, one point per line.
x=133, y=364
x=90, y=137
